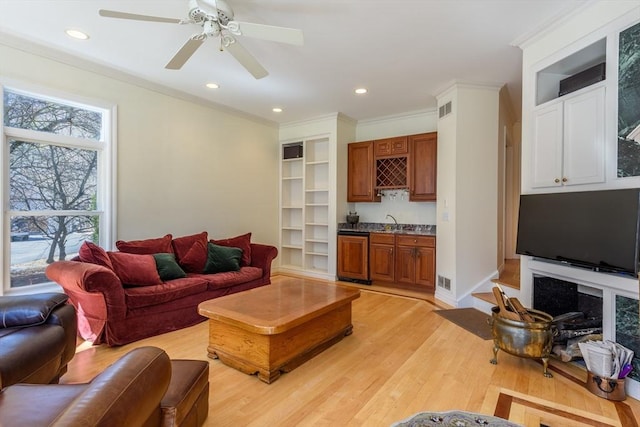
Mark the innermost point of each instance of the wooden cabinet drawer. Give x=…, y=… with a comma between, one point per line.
x=391, y=146
x=412, y=240
x=384, y=238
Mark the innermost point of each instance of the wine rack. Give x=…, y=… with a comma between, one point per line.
x=391, y=172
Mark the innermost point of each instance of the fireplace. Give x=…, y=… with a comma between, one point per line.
x=620, y=308
x=577, y=313
x=556, y=297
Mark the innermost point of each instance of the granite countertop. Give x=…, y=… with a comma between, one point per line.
x=375, y=227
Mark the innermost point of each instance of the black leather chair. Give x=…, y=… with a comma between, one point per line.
x=37, y=338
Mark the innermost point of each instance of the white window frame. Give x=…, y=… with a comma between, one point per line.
x=106, y=170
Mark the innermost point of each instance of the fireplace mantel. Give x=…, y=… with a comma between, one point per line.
x=583, y=276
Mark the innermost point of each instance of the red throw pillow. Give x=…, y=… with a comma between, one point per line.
x=243, y=242
x=135, y=269
x=191, y=251
x=147, y=246
x=94, y=254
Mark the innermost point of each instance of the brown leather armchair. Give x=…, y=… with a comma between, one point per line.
x=137, y=390
x=37, y=338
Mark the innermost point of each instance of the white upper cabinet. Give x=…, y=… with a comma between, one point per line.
x=584, y=138
x=546, y=151
x=569, y=140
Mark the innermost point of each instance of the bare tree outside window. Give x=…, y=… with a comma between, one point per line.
x=53, y=186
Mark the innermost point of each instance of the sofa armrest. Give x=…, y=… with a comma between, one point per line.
x=94, y=286
x=262, y=256
x=127, y=393
x=65, y=316
x=28, y=310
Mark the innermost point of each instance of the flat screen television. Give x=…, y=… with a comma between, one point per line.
x=598, y=230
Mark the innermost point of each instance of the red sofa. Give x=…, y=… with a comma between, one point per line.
x=115, y=312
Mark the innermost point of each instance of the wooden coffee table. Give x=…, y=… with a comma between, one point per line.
x=276, y=328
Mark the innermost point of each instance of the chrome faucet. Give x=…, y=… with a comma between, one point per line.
x=391, y=216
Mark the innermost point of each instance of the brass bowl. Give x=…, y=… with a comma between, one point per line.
x=523, y=339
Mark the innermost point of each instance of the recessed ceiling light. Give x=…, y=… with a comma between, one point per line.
x=212, y=85
x=361, y=90
x=277, y=110
x=77, y=34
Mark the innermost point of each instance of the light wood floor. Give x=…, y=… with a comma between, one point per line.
x=402, y=358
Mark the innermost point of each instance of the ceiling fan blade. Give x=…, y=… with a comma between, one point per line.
x=247, y=60
x=136, y=17
x=184, y=53
x=267, y=32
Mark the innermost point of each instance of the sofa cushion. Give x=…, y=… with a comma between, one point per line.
x=166, y=292
x=28, y=310
x=147, y=246
x=222, y=258
x=191, y=251
x=231, y=278
x=168, y=268
x=243, y=242
x=90, y=252
x=134, y=269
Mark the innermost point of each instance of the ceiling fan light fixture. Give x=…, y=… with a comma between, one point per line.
x=276, y=110
x=213, y=85
x=361, y=91
x=76, y=34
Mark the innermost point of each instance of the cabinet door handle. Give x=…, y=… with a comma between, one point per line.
x=564, y=179
x=557, y=181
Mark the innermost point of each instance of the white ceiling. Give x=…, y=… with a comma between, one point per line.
x=403, y=51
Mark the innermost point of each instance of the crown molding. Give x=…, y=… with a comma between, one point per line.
x=551, y=24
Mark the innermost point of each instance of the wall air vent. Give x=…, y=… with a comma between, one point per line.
x=444, y=282
x=444, y=110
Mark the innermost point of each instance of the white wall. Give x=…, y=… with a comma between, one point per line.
x=446, y=188
x=476, y=186
x=183, y=167
x=404, y=211
x=467, y=216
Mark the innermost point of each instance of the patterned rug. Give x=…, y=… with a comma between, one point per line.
x=453, y=419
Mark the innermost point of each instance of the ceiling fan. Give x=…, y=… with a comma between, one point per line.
x=216, y=19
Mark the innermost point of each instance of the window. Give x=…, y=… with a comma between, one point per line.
x=57, y=164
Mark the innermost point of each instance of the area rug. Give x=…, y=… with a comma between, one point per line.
x=453, y=419
x=470, y=319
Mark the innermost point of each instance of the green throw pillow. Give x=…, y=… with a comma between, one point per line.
x=168, y=268
x=222, y=258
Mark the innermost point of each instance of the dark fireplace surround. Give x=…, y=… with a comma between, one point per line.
x=556, y=297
